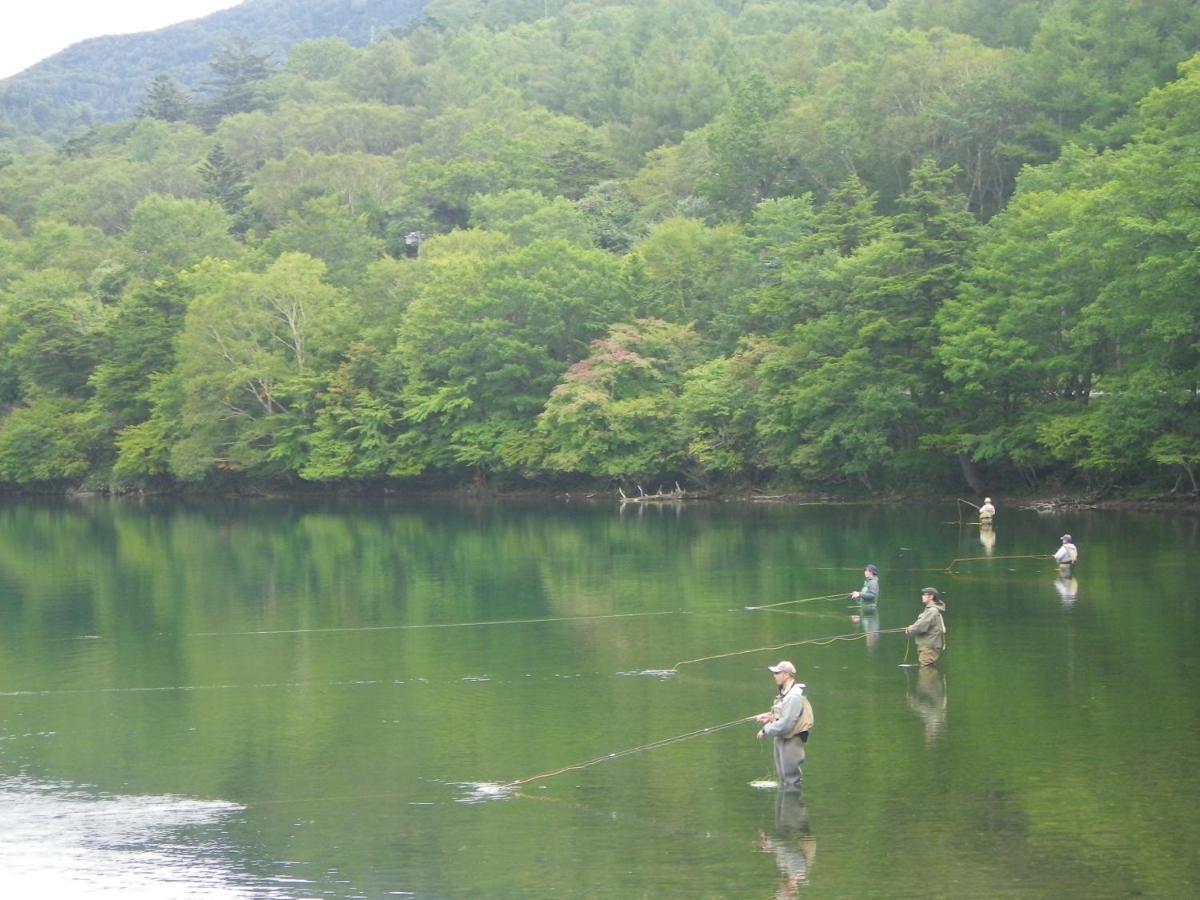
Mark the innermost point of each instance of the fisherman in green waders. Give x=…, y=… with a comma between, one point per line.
x=929, y=631
x=869, y=592
x=788, y=722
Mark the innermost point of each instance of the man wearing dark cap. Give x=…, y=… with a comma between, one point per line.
x=870, y=589
x=788, y=722
x=929, y=631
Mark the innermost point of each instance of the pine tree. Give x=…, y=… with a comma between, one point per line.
x=164, y=100
x=225, y=184
x=236, y=87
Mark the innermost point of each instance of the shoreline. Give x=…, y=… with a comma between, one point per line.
x=474, y=493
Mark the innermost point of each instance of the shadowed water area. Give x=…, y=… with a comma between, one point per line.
x=369, y=700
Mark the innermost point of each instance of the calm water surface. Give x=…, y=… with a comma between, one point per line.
x=282, y=700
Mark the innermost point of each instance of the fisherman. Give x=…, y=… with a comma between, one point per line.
x=869, y=592
x=987, y=513
x=789, y=722
x=1068, y=553
x=929, y=631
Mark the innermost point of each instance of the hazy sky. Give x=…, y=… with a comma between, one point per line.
x=31, y=30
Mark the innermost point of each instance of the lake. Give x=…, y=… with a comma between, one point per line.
x=337, y=699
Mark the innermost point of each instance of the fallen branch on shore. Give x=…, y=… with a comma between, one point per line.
x=660, y=496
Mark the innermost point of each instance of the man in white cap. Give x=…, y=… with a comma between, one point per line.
x=1067, y=553
x=987, y=513
x=788, y=722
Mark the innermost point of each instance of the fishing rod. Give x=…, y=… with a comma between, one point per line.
x=853, y=636
x=801, y=600
x=958, y=506
x=620, y=754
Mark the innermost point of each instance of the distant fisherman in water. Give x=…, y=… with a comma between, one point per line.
x=788, y=722
x=1068, y=553
x=987, y=512
x=869, y=592
x=929, y=631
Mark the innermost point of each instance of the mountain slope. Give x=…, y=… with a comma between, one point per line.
x=105, y=78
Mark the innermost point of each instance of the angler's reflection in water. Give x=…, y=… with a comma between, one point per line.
x=987, y=537
x=1067, y=587
x=927, y=698
x=869, y=622
x=792, y=843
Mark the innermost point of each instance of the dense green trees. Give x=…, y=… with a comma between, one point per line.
x=1076, y=336
x=106, y=78
x=765, y=241
x=617, y=412
x=165, y=100
x=486, y=339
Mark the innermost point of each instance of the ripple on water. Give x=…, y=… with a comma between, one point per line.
x=663, y=674
x=67, y=839
x=486, y=791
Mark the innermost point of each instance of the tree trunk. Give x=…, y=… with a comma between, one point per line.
x=970, y=472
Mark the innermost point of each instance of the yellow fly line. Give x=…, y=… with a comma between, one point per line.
x=819, y=642
x=950, y=567
x=653, y=745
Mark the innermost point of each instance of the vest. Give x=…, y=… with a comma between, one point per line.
x=805, y=722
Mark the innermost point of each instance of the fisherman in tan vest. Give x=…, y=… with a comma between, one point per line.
x=789, y=722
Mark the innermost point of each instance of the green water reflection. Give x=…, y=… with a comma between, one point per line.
x=340, y=675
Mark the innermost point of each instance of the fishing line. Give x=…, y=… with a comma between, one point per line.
x=669, y=612
x=48, y=692
x=767, y=781
x=958, y=507
x=419, y=681
x=854, y=636
x=801, y=600
x=950, y=567
x=806, y=613
x=621, y=754
x=859, y=569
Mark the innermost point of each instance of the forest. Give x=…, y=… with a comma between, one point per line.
x=831, y=245
x=104, y=78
